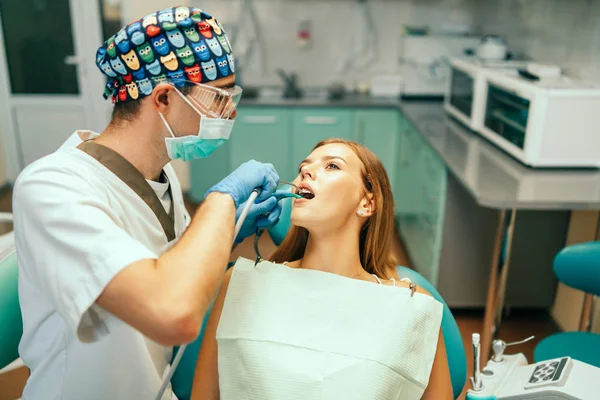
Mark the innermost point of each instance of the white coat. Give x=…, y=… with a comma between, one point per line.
x=83, y=214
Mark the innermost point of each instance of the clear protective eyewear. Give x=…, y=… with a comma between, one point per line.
x=214, y=102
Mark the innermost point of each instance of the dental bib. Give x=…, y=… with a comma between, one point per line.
x=288, y=333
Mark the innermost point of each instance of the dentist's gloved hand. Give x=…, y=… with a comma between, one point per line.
x=247, y=177
x=261, y=215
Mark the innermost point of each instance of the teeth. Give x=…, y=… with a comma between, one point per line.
x=307, y=194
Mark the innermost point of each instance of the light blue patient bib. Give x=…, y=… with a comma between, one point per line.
x=288, y=334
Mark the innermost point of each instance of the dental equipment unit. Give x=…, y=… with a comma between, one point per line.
x=510, y=377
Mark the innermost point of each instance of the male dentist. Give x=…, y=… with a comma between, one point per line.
x=113, y=272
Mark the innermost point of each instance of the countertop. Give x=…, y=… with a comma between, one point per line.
x=494, y=179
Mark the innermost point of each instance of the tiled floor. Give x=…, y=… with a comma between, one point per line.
x=517, y=326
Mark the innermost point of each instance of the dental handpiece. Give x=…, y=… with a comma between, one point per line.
x=170, y=371
x=476, y=379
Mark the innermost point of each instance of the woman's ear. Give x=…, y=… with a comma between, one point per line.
x=366, y=207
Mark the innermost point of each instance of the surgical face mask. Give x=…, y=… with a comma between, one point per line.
x=212, y=133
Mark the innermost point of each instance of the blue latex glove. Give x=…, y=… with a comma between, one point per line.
x=247, y=177
x=261, y=215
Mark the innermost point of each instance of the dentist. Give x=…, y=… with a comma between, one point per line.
x=113, y=272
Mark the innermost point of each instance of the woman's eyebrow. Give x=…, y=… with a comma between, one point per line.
x=327, y=158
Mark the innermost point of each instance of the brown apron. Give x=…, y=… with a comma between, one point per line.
x=133, y=178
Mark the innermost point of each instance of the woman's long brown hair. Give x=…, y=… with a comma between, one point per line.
x=377, y=232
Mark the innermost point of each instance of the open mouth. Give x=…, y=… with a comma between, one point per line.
x=306, y=193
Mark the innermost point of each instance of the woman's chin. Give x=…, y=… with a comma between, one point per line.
x=303, y=218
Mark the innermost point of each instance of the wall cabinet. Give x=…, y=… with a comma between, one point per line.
x=420, y=201
x=263, y=135
x=206, y=172
x=378, y=129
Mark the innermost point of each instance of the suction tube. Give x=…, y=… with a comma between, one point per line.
x=171, y=370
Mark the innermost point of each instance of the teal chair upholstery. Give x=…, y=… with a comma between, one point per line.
x=455, y=350
x=577, y=266
x=11, y=323
x=183, y=377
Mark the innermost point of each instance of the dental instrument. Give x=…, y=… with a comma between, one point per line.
x=279, y=195
x=259, y=258
x=476, y=378
x=510, y=377
x=170, y=371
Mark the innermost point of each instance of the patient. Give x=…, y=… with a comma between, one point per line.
x=342, y=235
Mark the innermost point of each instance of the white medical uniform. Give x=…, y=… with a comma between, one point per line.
x=78, y=224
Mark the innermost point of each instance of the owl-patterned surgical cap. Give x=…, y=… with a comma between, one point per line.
x=177, y=45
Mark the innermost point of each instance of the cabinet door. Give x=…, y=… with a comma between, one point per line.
x=310, y=126
x=263, y=134
x=206, y=172
x=379, y=131
x=432, y=189
x=407, y=196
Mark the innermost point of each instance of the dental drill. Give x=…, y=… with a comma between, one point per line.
x=170, y=371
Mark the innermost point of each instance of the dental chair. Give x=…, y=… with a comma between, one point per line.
x=11, y=323
x=577, y=266
x=455, y=351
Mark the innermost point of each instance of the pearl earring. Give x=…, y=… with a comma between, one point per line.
x=360, y=212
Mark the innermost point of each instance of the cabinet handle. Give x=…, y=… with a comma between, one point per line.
x=320, y=120
x=260, y=119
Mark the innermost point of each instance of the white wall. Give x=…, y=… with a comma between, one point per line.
x=559, y=31
x=332, y=22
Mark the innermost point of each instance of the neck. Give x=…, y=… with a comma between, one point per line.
x=137, y=143
x=335, y=252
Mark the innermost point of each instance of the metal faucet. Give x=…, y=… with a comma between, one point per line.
x=291, y=89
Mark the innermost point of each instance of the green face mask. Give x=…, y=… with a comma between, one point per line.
x=212, y=134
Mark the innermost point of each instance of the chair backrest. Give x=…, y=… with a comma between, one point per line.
x=455, y=349
x=11, y=323
x=578, y=266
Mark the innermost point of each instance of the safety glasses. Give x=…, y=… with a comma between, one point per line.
x=214, y=102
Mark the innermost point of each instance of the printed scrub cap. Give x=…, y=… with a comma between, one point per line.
x=173, y=45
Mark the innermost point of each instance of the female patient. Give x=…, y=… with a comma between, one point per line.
x=343, y=235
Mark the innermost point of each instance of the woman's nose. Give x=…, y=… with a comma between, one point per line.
x=306, y=172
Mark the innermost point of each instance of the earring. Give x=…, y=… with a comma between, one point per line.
x=360, y=212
